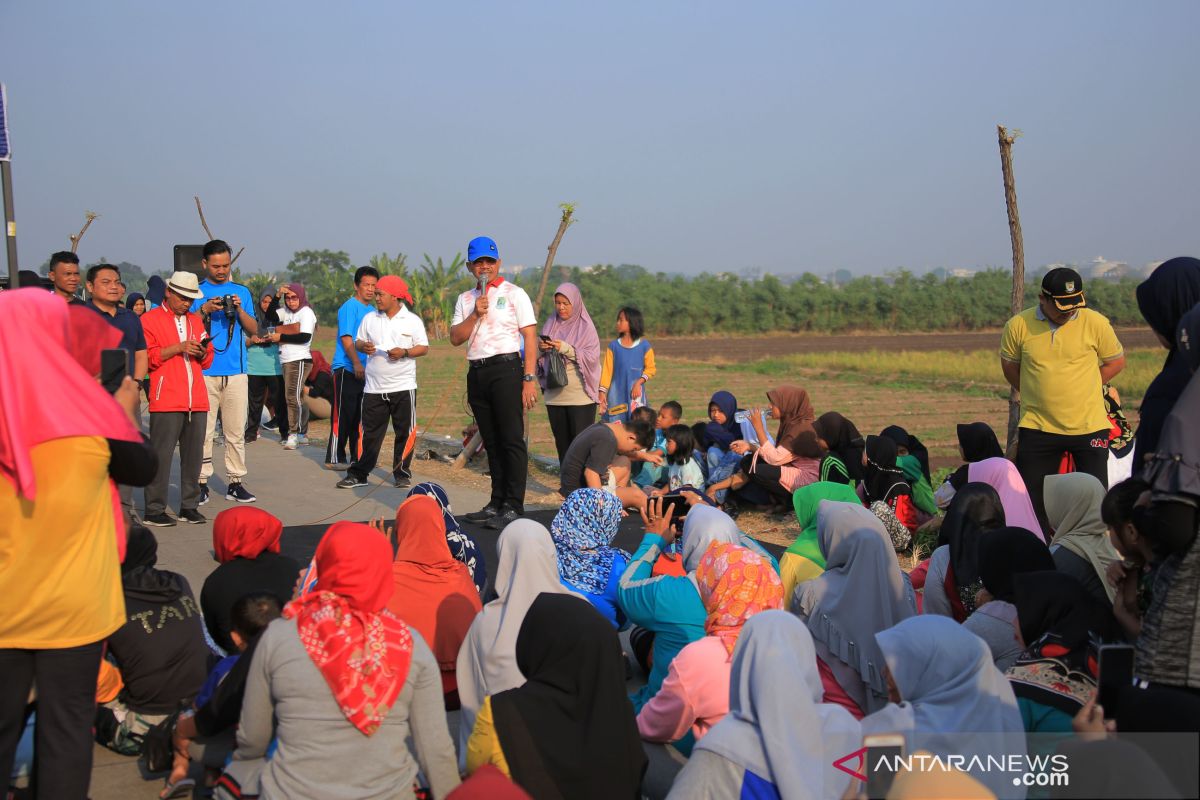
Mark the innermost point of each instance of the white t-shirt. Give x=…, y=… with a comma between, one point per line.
x=308, y=324
x=499, y=331
x=403, y=330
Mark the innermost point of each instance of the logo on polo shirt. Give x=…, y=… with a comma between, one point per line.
x=501, y=303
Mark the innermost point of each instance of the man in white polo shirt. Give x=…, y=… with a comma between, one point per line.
x=390, y=339
x=496, y=320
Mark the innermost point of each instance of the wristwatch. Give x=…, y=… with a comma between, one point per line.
x=529, y=378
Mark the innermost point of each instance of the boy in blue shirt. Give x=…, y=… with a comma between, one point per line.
x=349, y=373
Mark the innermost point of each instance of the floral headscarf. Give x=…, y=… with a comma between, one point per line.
x=735, y=583
x=583, y=530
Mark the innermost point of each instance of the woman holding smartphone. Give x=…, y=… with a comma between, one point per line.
x=571, y=335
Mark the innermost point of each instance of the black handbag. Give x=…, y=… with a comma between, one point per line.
x=555, y=366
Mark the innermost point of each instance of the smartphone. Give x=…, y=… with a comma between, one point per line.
x=205, y=340
x=114, y=366
x=884, y=751
x=545, y=338
x=676, y=501
x=1116, y=672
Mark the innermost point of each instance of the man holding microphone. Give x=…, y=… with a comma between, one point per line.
x=496, y=321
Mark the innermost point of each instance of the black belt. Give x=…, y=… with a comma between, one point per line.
x=500, y=359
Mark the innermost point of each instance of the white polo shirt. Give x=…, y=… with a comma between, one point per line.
x=403, y=330
x=499, y=331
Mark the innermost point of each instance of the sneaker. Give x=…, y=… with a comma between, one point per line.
x=158, y=520
x=351, y=482
x=402, y=483
x=292, y=442
x=483, y=514
x=203, y=494
x=302, y=439
x=192, y=516
x=238, y=492
x=499, y=523
x=271, y=425
x=219, y=440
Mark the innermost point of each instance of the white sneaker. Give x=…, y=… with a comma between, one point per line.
x=302, y=439
x=293, y=441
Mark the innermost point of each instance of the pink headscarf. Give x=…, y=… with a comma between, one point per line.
x=1002, y=475
x=298, y=290
x=579, y=331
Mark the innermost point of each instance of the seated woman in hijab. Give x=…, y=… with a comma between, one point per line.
x=886, y=492
x=842, y=449
x=667, y=605
x=720, y=432
x=461, y=545
x=735, y=583
x=779, y=738
x=942, y=684
x=792, y=461
x=1004, y=554
x=433, y=591
x=487, y=662
x=861, y=592
x=339, y=684
x=803, y=561
x=569, y=730
x=1001, y=474
x=953, y=577
x=246, y=545
x=1132, y=574
x=1080, y=545
x=588, y=564
x=976, y=442
x=912, y=458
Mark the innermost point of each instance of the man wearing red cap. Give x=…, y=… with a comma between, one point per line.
x=389, y=339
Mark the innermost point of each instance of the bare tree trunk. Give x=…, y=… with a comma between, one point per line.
x=89, y=216
x=204, y=224
x=568, y=214
x=1018, y=274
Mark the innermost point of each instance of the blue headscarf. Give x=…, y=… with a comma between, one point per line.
x=583, y=530
x=723, y=435
x=461, y=545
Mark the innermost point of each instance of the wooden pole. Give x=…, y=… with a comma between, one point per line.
x=568, y=216
x=89, y=217
x=1018, y=274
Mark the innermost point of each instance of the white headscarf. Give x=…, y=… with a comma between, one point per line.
x=487, y=662
x=704, y=525
x=1073, y=511
x=776, y=727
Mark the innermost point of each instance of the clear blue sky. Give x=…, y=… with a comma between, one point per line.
x=786, y=136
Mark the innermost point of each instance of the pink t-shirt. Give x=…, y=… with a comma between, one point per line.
x=694, y=696
x=794, y=471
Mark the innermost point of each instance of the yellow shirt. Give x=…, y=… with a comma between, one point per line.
x=1060, y=370
x=60, y=579
x=484, y=745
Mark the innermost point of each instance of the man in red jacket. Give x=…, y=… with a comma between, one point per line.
x=177, y=350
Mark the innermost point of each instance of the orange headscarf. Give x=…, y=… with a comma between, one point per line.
x=735, y=583
x=434, y=592
x=245, y=532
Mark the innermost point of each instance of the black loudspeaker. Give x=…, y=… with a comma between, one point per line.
x=188, y=258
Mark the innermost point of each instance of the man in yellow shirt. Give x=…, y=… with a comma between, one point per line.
x=1059, y=355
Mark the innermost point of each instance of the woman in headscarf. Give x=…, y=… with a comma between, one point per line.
x=842, y=446
x=947, y=696
x=156, y=290
x=908, y=445
x=265, y=374
x=669, y=605
x=913, y=461
x=246, y=545
x=976, y=442
x=1001, y=474
x=886, y=492
x=569, y=731
x=953, y=578
x=487, y=662
x=716, y=442
x=735, y=583
x=433, y=592
x=1080, y=545
x=583, y=530
x=861, y=592
x=461, y=545
x=297, y=324
x=803, y=561
x=1163, y=298
x=136, y=303
x=571, y=334
x=63, y=533
x=779, y=738
x=339, y=684
x=1005, y=553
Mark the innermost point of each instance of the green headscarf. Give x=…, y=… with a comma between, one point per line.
x=805, y=500
x=914, y=473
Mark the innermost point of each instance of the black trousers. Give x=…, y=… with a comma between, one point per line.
x=1040, y=454
x=767, y=476
x=345, y=418
x=377, y=410
x=265, y=389
x=567, y=422
x=66, y=705
x=494, y=392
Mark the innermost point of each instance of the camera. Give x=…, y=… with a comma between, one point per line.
x=227, y=305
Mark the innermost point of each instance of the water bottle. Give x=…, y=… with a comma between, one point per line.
x=741, y=416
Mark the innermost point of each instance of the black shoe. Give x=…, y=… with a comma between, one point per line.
x=237, y=492
x=192, y=516
x=350, y=482
x=501, y=522
x=271, y=425
x=402, y=483
x=203, y=494
x=483, y=514
x=158, y=520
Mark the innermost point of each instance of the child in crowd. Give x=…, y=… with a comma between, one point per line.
x=217, y=708
x=1133, y=575
x=650, y=473
x=641, y=460
x=723, y=429
x=682, y=469
x=628, y=364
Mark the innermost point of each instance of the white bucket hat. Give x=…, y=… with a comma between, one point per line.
x=185, y=284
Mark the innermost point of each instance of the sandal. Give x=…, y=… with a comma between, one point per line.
x=181, y=788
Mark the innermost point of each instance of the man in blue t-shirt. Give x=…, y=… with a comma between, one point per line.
x=228, y=392
x=348, y=373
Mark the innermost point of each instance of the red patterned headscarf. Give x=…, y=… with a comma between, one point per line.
x=735, y=583
x=362, y=650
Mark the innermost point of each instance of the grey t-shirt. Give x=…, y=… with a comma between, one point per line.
x=593, y=449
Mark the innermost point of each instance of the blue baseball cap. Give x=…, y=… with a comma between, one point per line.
x=482, y=247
